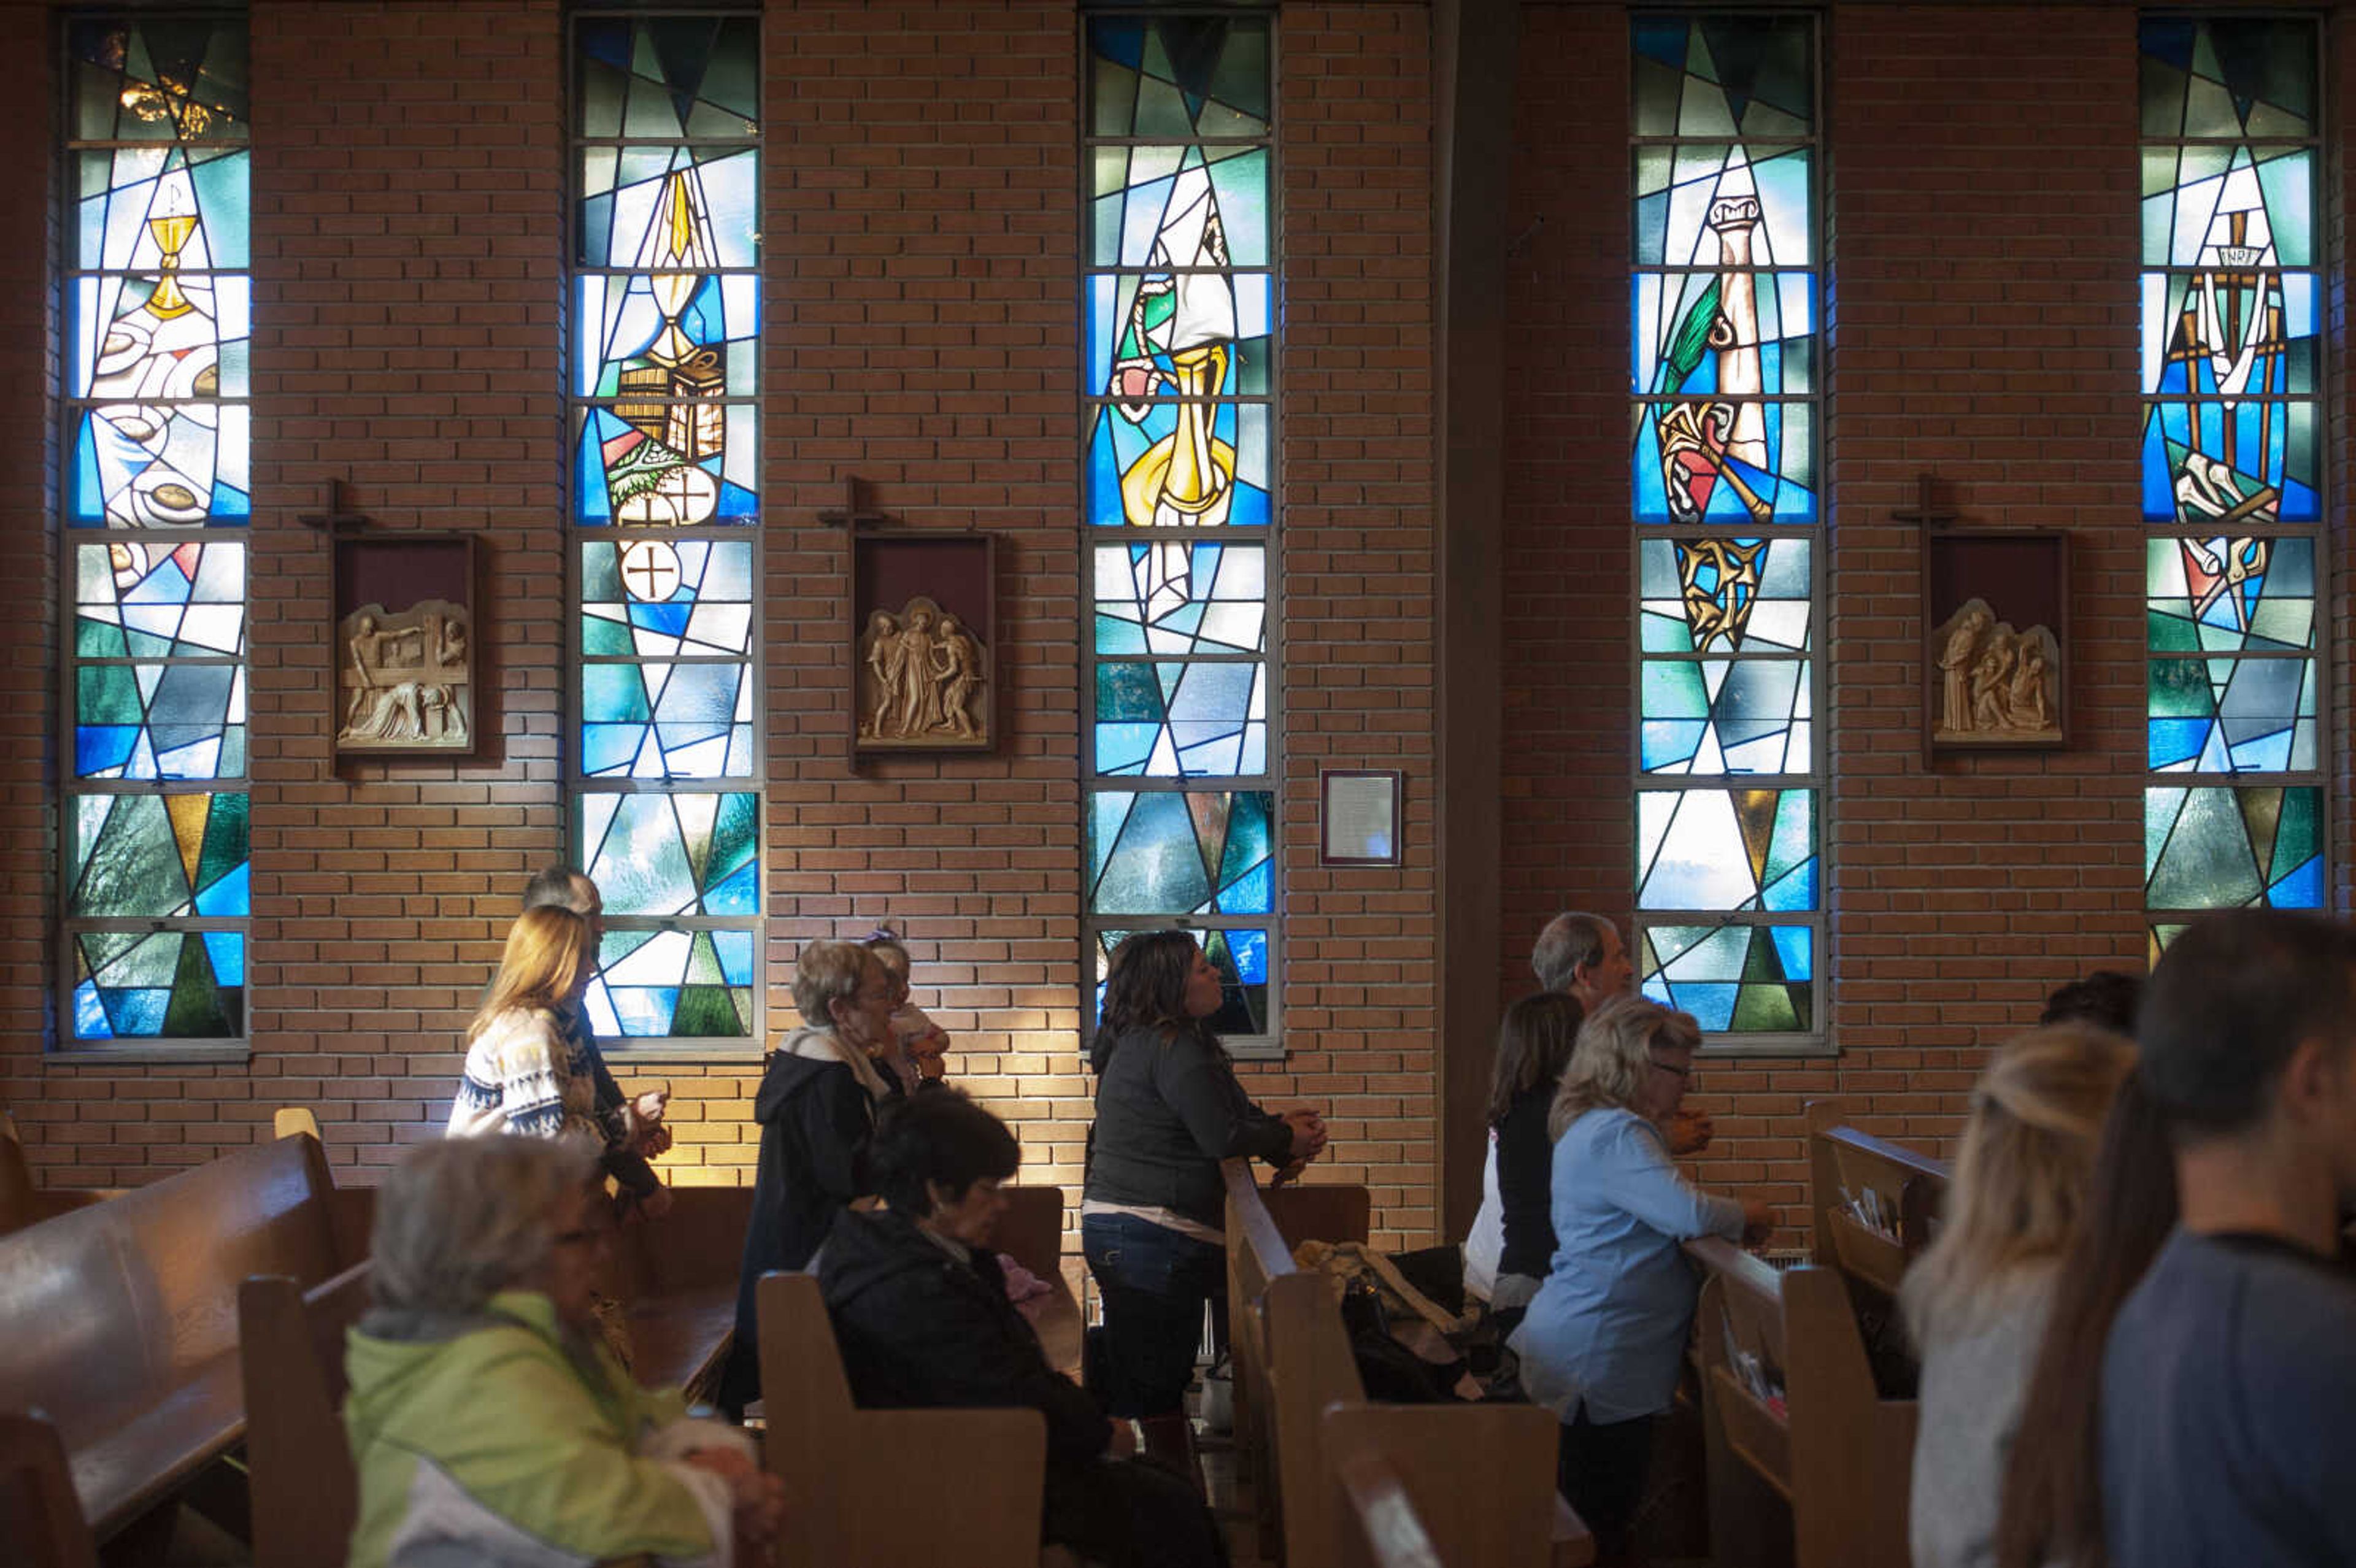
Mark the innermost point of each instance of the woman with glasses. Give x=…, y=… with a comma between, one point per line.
x=1603, y=1338
x=488, y=1424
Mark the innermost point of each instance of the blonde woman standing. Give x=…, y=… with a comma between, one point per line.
x=517, y=1077
x=1603, y=1338
x=1976, y=1302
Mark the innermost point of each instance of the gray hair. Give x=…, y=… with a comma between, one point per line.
x=827, y=972
x=556, y=885
x=1614, y=1053
x=462, y=1219
x=1570, y=941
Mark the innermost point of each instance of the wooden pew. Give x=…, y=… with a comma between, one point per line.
x=119, y=1320
x=1263, y=1227
x=1482, y=1476
x=1908, y=1188
x=1433, y=1486
x=37, y=1507
x=675, y=1277
x=1818, y=1437
x=1032, y=1233
x=896, y=1489
x=22, y=1202
x=299, y=1467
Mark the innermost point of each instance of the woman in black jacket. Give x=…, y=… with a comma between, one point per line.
x=1168, y=1110
x=919, y=1307
x=1533, y=1047
x=816, y=1108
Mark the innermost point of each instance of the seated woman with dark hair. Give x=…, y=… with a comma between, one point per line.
x=920, y=1311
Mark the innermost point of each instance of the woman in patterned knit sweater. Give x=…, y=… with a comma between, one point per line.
x=518, y=1077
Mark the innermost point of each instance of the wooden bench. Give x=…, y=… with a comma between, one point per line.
x=39, y=1511
x=909, y=1487
x=1032, y=1233
x=1459, y=1463
x=675, y=1277
x=1844, y=1165
x=119, y=1320
x=1263, y=1227
x=1802, y=1448
x=299, y=1468
x=22, y=1202
x=1430, y=1486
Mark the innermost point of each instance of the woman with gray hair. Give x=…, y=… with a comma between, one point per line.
x=1604, y=1335
x=816, y=1108
x=488, y=1424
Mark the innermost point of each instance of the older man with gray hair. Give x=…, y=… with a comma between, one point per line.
x=1580, y=955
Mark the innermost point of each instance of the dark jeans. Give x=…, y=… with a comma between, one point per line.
x=1600, y=1470
x=1153, y=1283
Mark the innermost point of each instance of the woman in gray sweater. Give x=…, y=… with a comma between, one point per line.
x=1169, y=1108
x=1976, y=1301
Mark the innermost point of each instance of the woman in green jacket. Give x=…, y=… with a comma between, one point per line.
x=487, y=1420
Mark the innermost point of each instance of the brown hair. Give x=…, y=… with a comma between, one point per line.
x=2020, y=1176
x=1533, y=1046
x=2052, y=1496
x=1146, y=988
x=547, y=950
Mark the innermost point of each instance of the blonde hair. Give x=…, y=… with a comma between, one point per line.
x=1614, y=1053
x=827, y=972
x=462, y=1219
x=2020, y=1175
x=547, y=953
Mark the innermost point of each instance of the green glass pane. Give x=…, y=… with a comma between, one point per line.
x=126, y=860
x=224, y=851
x=196, y=1010
x=706, y=1011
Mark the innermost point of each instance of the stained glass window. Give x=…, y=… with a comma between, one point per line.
x=666, y=350
x=156, y=498
x=1724, y=387
x=1179, y=317
x=2230, y=466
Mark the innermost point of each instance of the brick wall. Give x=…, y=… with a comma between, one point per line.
x=921, y=243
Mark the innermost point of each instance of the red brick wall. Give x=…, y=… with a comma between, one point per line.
x=1981, y=310
x=921, y=242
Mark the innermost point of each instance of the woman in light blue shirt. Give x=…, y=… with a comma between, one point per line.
x=1605, y=1336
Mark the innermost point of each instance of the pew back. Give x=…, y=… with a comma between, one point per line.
x=1032, y=1233
x=1464, y=1486
x=22, y=1202
x=848, y=1469
x=1790, y=1405
x=299, y=1467
x=37, y=1507
x=1844, y=1165
x=120, y=1319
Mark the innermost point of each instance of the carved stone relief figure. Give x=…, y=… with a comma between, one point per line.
x=1996, y=683
x=405, y=679
x=926, y=681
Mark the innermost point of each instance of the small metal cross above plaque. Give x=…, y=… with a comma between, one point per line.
x=339, y=517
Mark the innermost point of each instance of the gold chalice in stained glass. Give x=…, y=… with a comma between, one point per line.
x=171, y=232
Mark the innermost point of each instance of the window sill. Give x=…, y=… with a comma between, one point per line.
x=123, y=1053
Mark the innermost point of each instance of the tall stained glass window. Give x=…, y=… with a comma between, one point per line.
x=1179, y=310
x=2233, y=810
x=665, y=331
x=1724, y=387
x=156, y=313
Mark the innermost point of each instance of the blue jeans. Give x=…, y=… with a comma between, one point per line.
x=1153, y=1283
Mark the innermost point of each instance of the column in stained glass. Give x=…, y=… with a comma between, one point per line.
x=157, y=320
x=2230, y=466
x=1180, y=319
x=666, y=341
x=1723, y=387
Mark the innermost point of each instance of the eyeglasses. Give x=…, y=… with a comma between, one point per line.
x=1680, y=1072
